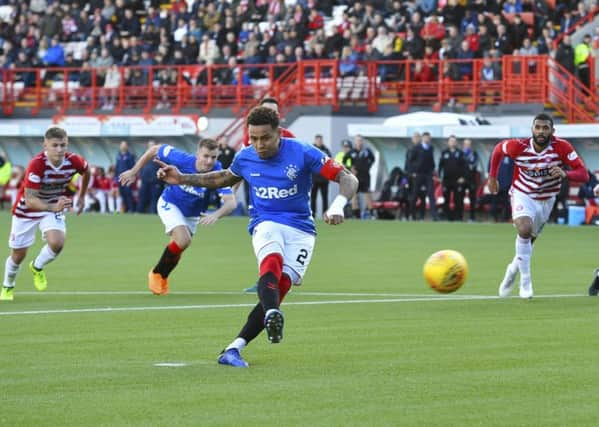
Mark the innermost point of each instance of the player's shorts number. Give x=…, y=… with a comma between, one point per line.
x=301, y=258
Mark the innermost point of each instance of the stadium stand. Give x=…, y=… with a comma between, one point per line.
x=57, y=55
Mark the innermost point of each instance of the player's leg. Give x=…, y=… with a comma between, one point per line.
x=53, y=229
x=298, y=249
x=22, y=236
x=524, y=214
x=446, y=201
x=594, y=288
x=181, y=230
x=255, y=321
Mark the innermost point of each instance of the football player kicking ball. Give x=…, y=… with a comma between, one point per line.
x=594, y=288
x=539, y=169
x=181, y=207
x=41, y=202
x=279, y=172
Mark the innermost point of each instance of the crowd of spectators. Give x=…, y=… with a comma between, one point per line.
x=102, y=33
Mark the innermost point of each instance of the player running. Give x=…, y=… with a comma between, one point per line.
x=539, y=164
x=182, y=207
x=279, y=172
x=41, y=202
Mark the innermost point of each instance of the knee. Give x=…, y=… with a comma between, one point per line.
x=525, y=231
x=56, y=247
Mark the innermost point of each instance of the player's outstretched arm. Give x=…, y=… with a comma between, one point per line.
x=348, y=185
x=128, y=177
x=82, y=191
x=217, y=179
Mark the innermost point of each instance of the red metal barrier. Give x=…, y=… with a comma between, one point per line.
x=519, y=79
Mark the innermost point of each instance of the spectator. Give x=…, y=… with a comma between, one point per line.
x=433, y=30
x=472, y=176
x=512, y=6
x=422, y=171
x=320, y=184
x=348, y=63
x=565, y=54
x=568, y=22
x=125, y=160
x=582, y=57
x=362, y=160
x=586, y=193
x=452, y=172
x=54, y=56
x=225, y=153
x=518, y=32
x=452, y=13
x=150, y=188
x=465, y=55
x=503, y=42
x=528, y=49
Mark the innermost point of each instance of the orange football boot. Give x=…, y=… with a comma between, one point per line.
x=157, y=284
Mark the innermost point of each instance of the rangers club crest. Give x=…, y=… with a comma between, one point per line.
x=291, y=171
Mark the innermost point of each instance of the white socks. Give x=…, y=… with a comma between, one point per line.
x=523, y=254
x=237, y=343
x=10, y=272
x=45, y=256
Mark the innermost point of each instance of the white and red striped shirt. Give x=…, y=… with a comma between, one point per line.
x=50, y=181
x=531, y=168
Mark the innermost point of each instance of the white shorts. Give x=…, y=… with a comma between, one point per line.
x=537, y=210
x=172, y=217
x=294, y=245
x=22, y=230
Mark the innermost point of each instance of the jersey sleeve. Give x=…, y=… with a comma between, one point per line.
x=314, y=158
x=34, y=174
x=578, y=171
x=236, y=166
x=170, y=155
x=509, y=148
x=80, y=164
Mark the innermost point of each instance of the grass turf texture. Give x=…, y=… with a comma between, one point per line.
x=418, y=359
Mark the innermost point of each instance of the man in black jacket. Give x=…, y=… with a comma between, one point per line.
x=452, y=170
x=422, y=172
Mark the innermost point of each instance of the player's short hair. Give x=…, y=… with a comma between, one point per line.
x=269, y=101
x=261, y=116
x=545, y=117
x=208, y=143
x=55, y=132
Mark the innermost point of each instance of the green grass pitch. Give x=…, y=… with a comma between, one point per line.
x=366, y=342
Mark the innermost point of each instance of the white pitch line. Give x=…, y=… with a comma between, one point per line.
x=297, y=292
x=213, y=306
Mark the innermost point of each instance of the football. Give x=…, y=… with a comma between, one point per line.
x=446, y=271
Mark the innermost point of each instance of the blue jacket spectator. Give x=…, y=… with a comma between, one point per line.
x=54, y=55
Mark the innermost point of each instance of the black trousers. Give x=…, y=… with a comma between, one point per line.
x=452, y=188
x=323, y=188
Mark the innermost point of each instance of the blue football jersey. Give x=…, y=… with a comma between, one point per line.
x=280, y=186
x=191, y=201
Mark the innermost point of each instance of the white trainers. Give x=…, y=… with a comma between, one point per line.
x=507, y=284
x=526, y=288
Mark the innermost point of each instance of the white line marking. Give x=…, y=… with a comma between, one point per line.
x=213, y=306
x=297, y=292
x=170, y=364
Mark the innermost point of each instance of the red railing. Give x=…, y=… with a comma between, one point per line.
x=518, y=79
